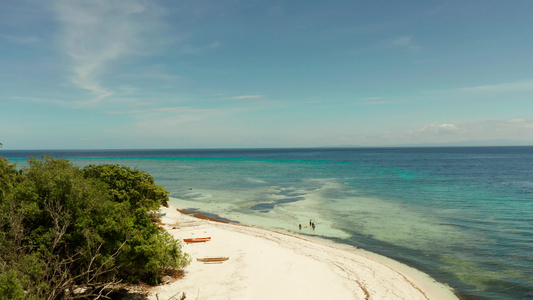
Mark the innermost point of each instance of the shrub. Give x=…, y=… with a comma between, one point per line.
x=66, y=228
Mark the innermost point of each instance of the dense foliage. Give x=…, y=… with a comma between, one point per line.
x=127, y=185
x=67, y=232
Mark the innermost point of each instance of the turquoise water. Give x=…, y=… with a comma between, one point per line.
x=462, y=215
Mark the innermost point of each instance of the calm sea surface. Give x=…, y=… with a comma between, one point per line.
x=462, y=215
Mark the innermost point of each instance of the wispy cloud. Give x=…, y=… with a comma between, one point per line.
x=526, y=85
x=215, y=45
x=487, y=130
x=373, y=101
x=245, y=97
x=156, y=72
x=30, y=39
x=383, y=102
x=405, y=42
x=509, y=126
x=196, y=49
x=49, y=101
x=498, y=93
x=159, y=110
x=96, y=33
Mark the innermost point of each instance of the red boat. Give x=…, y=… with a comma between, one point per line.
x=197, y=240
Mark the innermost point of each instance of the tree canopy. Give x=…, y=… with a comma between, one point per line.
x=68, y=231
x=127, y=185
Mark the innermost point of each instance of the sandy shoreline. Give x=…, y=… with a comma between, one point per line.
x=264, y=264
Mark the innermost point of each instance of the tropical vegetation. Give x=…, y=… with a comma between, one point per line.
x=68, y=232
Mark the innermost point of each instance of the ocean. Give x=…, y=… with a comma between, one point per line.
x=463, y=215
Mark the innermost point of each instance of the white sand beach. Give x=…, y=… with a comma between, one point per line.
x=264, y=264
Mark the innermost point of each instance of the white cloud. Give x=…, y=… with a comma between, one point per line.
x=439, y=129
x=96, y=33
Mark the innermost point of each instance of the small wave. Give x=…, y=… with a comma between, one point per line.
x=254, y=180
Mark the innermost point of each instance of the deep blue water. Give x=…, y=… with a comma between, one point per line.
x=462, y=215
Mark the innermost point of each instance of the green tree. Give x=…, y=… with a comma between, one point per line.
x=10, y=286
x=9, y=176
x=64, y=228
x=150, y=250
x=127, y=185
x=64, y=223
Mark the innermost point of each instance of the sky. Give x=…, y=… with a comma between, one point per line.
x=135, y=74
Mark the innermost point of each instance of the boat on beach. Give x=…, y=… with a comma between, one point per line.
x=212, y=259
x=197, y=240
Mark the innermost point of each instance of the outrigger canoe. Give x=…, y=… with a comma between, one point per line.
x=197, y=240
x=212, y=259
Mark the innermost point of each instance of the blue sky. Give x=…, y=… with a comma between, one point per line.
x=229, y=73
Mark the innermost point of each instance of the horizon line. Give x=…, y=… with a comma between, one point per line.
x=278, y=148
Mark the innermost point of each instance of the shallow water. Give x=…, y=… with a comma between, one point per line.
x=462, y=215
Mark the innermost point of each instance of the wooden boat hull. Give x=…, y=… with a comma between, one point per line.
x=212, y=259
x=197, y=240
